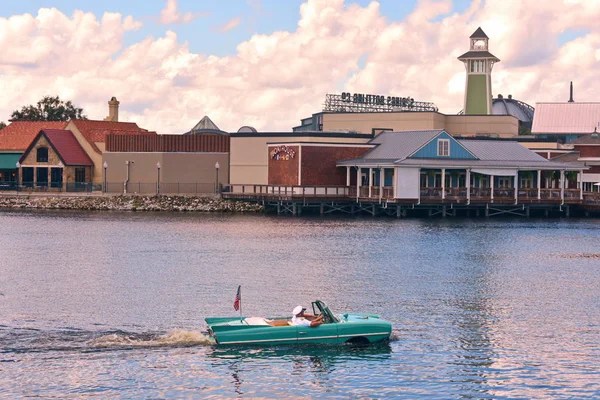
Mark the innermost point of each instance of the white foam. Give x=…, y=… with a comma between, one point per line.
x=177, y=337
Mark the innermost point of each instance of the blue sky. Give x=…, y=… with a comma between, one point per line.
x=202, y=34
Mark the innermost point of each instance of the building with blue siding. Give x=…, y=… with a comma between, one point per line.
x=433, y=166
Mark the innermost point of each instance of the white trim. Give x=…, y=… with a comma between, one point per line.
x=441, y=141
x=299, y=165
x=305, y=338
x=324, y=144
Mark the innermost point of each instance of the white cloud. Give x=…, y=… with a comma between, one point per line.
x=170, y=14
x=274, y=80
x=231, y=24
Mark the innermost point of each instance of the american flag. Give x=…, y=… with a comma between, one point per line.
x=238, y=298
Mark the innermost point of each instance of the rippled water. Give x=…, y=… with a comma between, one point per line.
x=112, y=305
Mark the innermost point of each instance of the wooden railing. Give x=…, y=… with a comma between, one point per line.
x=426, y=194
x=287, y=191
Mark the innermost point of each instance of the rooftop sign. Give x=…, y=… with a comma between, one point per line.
x=359, y=102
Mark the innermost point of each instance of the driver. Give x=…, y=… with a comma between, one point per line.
x=301, y=319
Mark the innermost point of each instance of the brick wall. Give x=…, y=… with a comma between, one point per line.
x=284, y=172
x=319, y=164
x=208, y=143
x=595, y=169
x=587, y=151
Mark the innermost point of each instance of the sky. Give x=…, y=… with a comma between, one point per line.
x=269, y=63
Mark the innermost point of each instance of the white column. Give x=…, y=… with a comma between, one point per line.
x=516, y=187
x=468, y=182
x=443, y=183
x=562, y=185
x=539, y=184
x=358, y=179
x=370, y=180
x=492, y=188
x=395, y=189
x=348, y=176
x=580, y=178
x=381, y=174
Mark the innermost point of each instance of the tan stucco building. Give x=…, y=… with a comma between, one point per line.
x=500, y=126
x=165, y=163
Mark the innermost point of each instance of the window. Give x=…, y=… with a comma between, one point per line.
x=56, y=177
x=42, y=154
x=79, y=175
x=443, y=147
x=41, y=175
x=504, y=182
x=478, y=66
x=27, y=176
x=526, y=182
x=423, y=180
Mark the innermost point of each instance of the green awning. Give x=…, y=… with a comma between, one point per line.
x=9, y=160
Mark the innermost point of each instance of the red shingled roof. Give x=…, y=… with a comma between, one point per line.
x=18, y=135
x=65, y=145
x=96, y=131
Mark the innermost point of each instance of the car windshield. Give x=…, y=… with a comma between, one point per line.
x=324, y=309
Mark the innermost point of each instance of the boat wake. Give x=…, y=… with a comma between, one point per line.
x=174, y=338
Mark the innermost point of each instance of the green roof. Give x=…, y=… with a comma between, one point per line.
x=9, y=160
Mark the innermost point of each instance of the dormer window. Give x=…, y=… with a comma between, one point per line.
x=42, y=154
x=443, y=147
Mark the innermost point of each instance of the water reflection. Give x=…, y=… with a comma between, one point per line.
x=306, y=364
x=112, y=305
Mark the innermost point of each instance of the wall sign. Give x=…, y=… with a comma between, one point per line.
x=282, y=153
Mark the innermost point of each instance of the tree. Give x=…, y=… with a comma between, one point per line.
x=49, y=109
x=2, y=125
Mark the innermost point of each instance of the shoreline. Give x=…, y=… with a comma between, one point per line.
x=130, y=203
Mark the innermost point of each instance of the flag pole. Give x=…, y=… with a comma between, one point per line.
x=241, y=304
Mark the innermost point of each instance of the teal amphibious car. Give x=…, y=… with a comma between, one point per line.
x=347, y=328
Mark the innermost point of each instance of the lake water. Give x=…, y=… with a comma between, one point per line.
x=112, y=305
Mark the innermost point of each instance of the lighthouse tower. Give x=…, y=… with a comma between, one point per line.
x=478, y=63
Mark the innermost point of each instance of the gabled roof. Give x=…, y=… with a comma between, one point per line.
x=66, y=146
x=478, y=34
x=399, y=145
x=565, y=118
x=395, y=148
x=96, y=131
x=18, y=135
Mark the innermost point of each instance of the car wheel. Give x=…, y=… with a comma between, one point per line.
x=359, y=340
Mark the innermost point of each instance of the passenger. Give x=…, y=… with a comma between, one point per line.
x=301, y=319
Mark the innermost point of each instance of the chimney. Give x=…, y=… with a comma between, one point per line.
x=113, y=110
x=571, y=96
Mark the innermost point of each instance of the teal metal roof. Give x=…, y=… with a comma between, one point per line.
x=9, y=160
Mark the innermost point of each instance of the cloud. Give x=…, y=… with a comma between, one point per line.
x=275, y=79
x=170, y=14
x=232, y=24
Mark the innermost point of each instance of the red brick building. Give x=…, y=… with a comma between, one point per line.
x=311, y=164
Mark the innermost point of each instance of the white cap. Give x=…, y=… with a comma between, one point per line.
x=297, y=310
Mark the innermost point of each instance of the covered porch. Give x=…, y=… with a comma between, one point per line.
x=470, y=185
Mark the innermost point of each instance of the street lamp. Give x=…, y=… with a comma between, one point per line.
x=158, y=178
x=105, y=165
x=18, y=175
x=217, y=180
